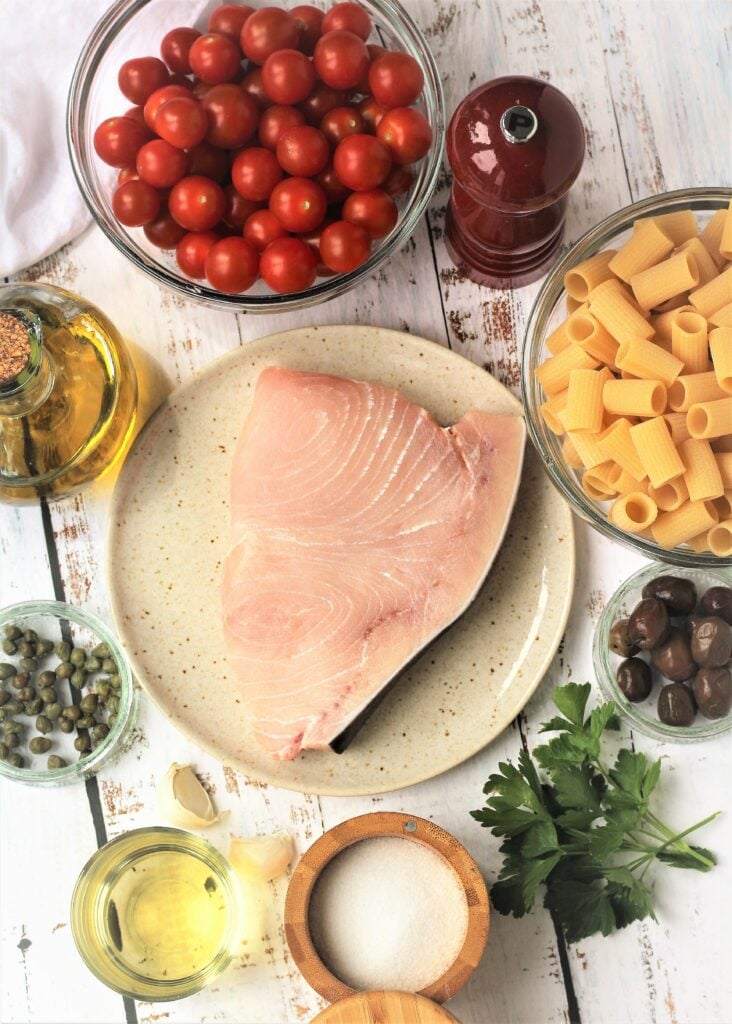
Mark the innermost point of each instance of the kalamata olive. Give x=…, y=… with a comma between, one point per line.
x=676, y=705
x=634, y=679
x=677, y=593
x=711, y=642
x=673, y=657
x=648, y=624
x=718, y=601
x=713, y=691
x=619, y=641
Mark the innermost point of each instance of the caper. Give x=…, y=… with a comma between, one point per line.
x=99, y=732
x=28, y=664
x=64, y=670
x=12, y=632
x=26, y=694
x=115, y=682
x=108, y=665
x=39, y=745
x=47, y=678
x=10, y=726
x=65, y=724
x=111, y=720
x=113, y=704
x=20, y=680
x=103, y=690
x=77, y=657
x=44, y=648
x=4, y=751
x=89, y=703
x=33, y=707
x=55, y=762
x=52, y=711
x=72, y=713
x=62, y=650
x=9, y=647
x=101, y=651
x=78, y=678
x=7, y=670
x=82, y=743
x=44, y=724
x=13, y=707
x=92, y=664
x=48, y=695
x=26, y=649
x=30, y=635
x=85, y=722
x=4, y=697
x=4, y=714
x=15, y=759
x=12, y=740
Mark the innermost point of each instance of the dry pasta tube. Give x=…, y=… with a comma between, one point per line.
x=707, y=265
x=673, y=303
x=721, y=444
x=584, y=330
x=648, y=245
x=550, y=411
x=580, y=281
x=572, y=304
x=569, y=454
x=725, y=245
x=724, y=463
x=634, y=397
x=720, y=346
x=633, y=512
x=626, y=483
x=702, y=477
x=642, y=358
x=558, y=340
x=723, y=316
x=585, y=443
x=618, y=316
x=699, y=543
x=616, y=443
x=693, y=388
x=689, y=341
x=553, y=374
x=656, y=451
x=710, y=419
x=692, y=519
x=719, y=539
x=678, y=226
x=653, y=286
x=723, y=506
x=671, y=496
x=599, y=483
x=711, y=236
x=713, y=295
x=584, y=401
x=663, y=322
x=676, y=423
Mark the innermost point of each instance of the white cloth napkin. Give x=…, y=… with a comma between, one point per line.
x=40, y=205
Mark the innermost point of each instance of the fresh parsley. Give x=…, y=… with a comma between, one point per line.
x=583, y=830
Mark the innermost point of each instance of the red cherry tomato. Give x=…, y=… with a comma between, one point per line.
x=210, y=161
x=160, y=96
x=395, y=79
x=232, y=116
x=175, y=48
x=192, y=250
x=348, y=17
x=215, y=58
x=118, y=139
x=398, y=181
x=255, y=172
x=371, y=113
x=228, y=20
x=160, y=164
x=140, y=77
x=232, y=265
x=288, y=76
x=288, y=265
x=252, y=84
x=182, y=122
x=163, y=231
x=267, y=30
x=341, y=59
x=331, y=184
x=299, y=204
x=138, y=114
x=273, y=122
x=374, y=51
x=361, y=162
x=374, y=211
x=340, y=122
x=344, y=246
x=261, y=228
x=127, y=174
x=238, y=209
x=309, y=20
x=406, y=134
x=303, y=151
x=197, y=203
x=135, y=203
x=320, y=101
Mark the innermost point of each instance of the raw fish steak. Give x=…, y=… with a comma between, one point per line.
x=361, y=530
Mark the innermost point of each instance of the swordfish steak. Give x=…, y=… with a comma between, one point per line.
x=361, y=530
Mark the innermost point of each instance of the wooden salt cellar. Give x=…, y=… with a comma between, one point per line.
x=385, y=1008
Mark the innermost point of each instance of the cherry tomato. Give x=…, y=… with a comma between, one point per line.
x=215, y=58
x=135, y=203
x=232, y=265
x=127, y=174
x=160, y=96
x=288, y=265
x=118, y=139
x=320, y=101
x=175, y=48
x=374, y=211
x=398, y=180
x=303, y=151
x=182, y=122
x=344, y=246
x=341, y=59
x=374, y=51
x=238, y=209
x=348, y=17
x=267, y=30
x=139, y=77
x=210, y=161
x=137, y=114
x=228, y=20
x=371, y=113
x=160, y=164
x=299, y=204
x=395, y=79
x=192, y=250
x=309, y=20
x=406, y=134
x=197, y=203
x=255, y=172
x=340, y=122
x=331, y=184
x=232, y=116
x=288, y=76
x=361, y=162
x=274, y=120
x=261, y=228
x=252, y=84
x=163, y=232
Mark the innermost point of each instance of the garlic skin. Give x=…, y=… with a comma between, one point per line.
x=183, y=801
x=261, y=858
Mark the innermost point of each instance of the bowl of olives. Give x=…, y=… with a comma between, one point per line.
x=663, y=652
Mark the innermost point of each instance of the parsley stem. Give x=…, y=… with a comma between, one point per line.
x=677, y=840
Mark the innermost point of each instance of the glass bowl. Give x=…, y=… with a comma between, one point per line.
x=549, y=310
x=56, y=621
x=141, y=892
x=643, y=715
x=133, y=28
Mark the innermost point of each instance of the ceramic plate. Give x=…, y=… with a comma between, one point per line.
x=169, y=532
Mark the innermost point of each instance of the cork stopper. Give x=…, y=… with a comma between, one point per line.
x=15, y=347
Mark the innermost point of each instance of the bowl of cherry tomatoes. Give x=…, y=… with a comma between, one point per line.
x=256, y=157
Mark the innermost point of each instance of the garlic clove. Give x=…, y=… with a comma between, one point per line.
x=183, y=800
x=261, y=858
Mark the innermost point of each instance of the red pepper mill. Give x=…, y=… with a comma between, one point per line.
x=515, y=146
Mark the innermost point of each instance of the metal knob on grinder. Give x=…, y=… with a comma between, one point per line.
x=515, y=146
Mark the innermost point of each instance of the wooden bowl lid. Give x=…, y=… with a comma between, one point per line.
x=369, y=826
x=385, y=1008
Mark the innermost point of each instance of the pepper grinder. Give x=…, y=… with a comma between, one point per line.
x=515, y=146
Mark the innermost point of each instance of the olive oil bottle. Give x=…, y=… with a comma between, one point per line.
x=68, y=393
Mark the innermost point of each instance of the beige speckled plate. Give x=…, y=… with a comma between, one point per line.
x=169, y=533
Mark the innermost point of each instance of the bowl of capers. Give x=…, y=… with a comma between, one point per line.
x=67, y=695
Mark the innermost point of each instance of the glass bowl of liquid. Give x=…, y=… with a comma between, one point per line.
x=156, y=914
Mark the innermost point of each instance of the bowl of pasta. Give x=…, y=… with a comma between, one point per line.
x=627, y=376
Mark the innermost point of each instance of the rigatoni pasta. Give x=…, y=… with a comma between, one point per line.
x=713, y=295
x=710, y=419
x=648, y=245
x=633, y=512
x=723, y=316
x=725, y=245
x=711, y=236
x=635, y=397
x=584, y=401
x=720, y=347
x=653, y=286
x=702, y=476
x=658, y=454
x=642, y=358
x=679, y=226
x=689, y=342
x=580, y=280
x=693, y=388
x=692, y=519
x=617, y=314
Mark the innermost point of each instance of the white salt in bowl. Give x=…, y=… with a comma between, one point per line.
x=301, y=935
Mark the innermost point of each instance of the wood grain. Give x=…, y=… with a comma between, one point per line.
x=383, y=1008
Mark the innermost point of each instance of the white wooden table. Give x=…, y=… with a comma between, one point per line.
x=652, y=83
